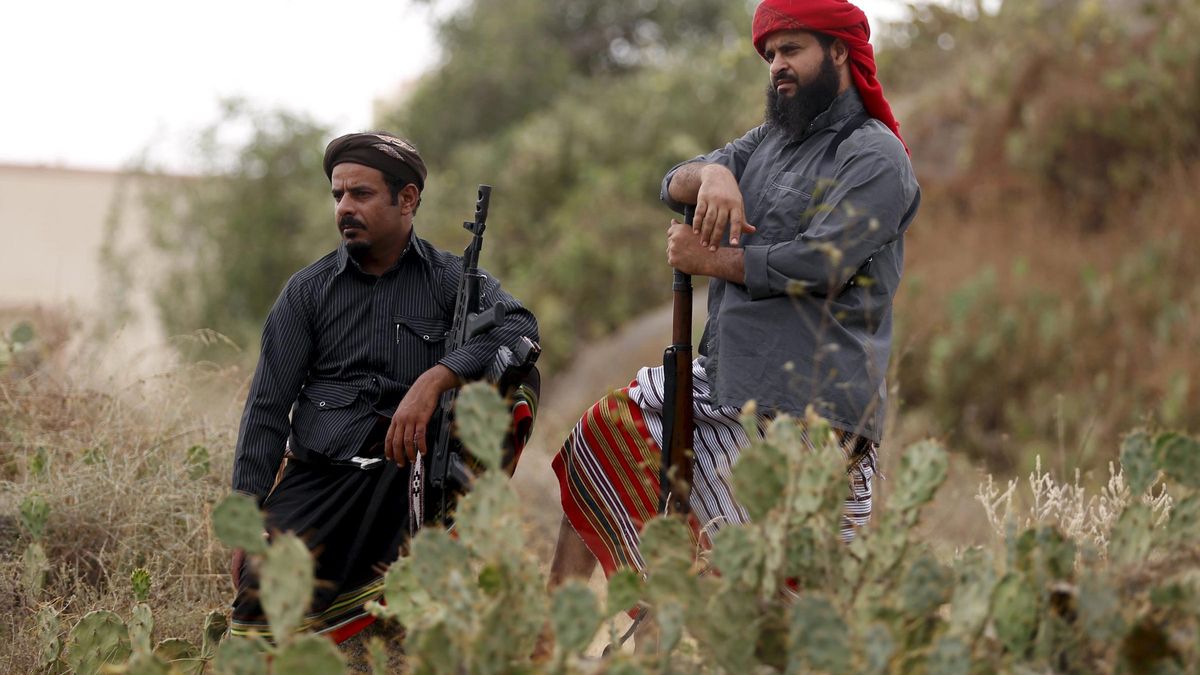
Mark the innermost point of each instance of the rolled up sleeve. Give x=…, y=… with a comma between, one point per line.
x=733, y=156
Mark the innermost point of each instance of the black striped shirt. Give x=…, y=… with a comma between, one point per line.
x=341, y=347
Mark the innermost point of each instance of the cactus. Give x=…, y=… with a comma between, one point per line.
x=139, y=579
x=377, y=656
x=34, y=514
x=1138, y=462
x=141, y=628
x=50, y=639
x=758, y=482
x=198, y=462
x=181, y=655
x=1099, y=609
x=576, y=617
x=215, y=625
x=949, y=657
x=667, y=550
x=922, y=471
x=925, y=586
x=1015, y=613
x=38, y=462
x=625, y=589
x=878, y=646
x=147, y=663
x=35, y=567
x=240, y=656
x=1180, y=458
x=238, y=523
x=818, y=637
x=731, y=639
x=1131, y=536
x=1184, y=526
x=481, y=422
x=286, y=584
x=972, y=597
x=98, y=639
x=488, y=520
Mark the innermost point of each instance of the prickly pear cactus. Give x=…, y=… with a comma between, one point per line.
x=1131, y=536
x=1180, y=458
x=98, y=639
x=758, y=482
x=215, y=625
x=181, y=655
x=667, y=550
x=1099, y=608
x=34, y=514
x=238, y=523
x=972, y=599
x=923, y=469
x=488, y=520
x=818, y=637
x=1138, y=461
x=309, y=655
x=925, y=586
x=625, y=589
x=35, y=567
x=481, y=422
x=950, y=656
x=377, y=656
x=139, y=580
x=198, y=462
x=576, y=617
x=141, y=628
x=147, y=663
x=286, y=584
x=877, y=647
x=1015, y=613
x=738, y=554
x=240, y=656
x=1184, y=525
x=50, y=639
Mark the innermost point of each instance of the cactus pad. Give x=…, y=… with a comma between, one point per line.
x=286, y=584
x=240, y=656
x=238, y=523
x=480, y=420
x=98, y=639
x=1138, y=462
x=576, y=616
x=141, y=628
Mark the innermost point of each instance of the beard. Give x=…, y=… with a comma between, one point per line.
x=794, y=113
x=358, y=246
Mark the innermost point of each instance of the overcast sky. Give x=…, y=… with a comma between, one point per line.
x=90, y=84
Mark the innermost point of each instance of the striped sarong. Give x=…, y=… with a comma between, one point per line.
x=608, y=469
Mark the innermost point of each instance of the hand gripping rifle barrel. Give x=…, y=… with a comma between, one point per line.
x=675, y=478
x=447, y=470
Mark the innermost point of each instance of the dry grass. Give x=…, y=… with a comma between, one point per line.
x=122, y=494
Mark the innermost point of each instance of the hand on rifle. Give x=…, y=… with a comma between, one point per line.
x=719, y=202
x=687, y=254
x=410, y=423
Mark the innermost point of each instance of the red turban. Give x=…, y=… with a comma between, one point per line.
x=839, y=19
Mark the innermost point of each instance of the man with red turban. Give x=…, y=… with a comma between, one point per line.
x=800, y=224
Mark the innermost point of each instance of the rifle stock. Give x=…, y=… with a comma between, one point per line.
x=675, y=478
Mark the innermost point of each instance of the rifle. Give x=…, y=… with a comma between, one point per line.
x=675, y=469
x=449, y=473
x=675, y=473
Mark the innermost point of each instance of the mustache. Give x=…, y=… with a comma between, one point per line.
x=784, y=77
x=351, y=221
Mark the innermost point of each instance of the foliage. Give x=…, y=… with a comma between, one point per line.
x=225, y=241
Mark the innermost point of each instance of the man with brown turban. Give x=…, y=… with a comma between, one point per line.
x=355, y=350
x=800, y=224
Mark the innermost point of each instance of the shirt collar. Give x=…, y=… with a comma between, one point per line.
x=846, y=104
x=416, y=245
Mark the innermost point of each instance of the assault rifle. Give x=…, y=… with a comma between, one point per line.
x=448, y=472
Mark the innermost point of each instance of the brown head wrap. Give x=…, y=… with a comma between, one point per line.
x=392, y=155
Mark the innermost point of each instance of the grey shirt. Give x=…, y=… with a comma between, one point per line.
x=341, y=347
x=812, y=324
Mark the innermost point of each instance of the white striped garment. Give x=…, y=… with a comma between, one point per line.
x=719, y=438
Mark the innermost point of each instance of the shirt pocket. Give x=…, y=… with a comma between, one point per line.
x=789, y=201
x=420, y=342
x=329, y=395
